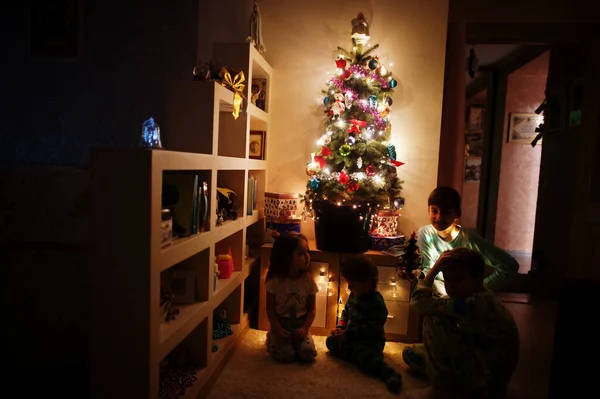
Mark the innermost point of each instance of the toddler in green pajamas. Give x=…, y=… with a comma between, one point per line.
x=359, y=336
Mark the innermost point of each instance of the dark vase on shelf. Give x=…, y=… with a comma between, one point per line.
x=341, y=228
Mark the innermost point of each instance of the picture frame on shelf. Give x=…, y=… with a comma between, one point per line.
x=258, y=94
x=182, y=284
x=521, y=127
x=474, y=144
x=257, y=144
x=475, y=118
x=473, y=170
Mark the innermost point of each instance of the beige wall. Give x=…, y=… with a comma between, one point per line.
x=520, y=168
x=301, y=37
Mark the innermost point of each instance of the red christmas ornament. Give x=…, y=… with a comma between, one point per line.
x=340, y=64
x=345, y=74
x=396, y=163
x=371, y=170
x=343, y=178
x=325, y=151
x=356, y=125
x=352, y=186
x=320, y=160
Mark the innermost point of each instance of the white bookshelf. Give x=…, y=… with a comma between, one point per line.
x=128, y=341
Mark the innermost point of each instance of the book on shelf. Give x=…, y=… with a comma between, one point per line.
x=252, y=193
x=203, y=206
x=186, y=196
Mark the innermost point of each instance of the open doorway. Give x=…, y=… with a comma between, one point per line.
x=500, y=127
x=520, y=162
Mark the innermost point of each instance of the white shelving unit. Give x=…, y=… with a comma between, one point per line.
x=128, y=341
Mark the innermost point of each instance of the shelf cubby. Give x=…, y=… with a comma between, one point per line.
x=236, y=181
x=259, y=119
x=232, y=135
x=255, y=238
x=261, y=178
x=192, y=115
x=235, y=244
x=243, y=57
x=191, y=301
x=232, y=305
x=191, y=353
x=178, y=196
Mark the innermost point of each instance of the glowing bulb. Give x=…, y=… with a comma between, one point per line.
x=322, y=281
x=391, y=65
x=326, y=171
x=339, y=203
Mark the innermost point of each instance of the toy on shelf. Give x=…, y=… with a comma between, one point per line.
x=226, y=205
x=225, y=263
x=221, y=327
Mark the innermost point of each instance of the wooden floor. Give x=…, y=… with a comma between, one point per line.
x=535, y=321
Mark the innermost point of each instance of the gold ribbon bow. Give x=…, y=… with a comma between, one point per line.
x=237, y=85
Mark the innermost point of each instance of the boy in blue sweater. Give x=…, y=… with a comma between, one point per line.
x=359, y=336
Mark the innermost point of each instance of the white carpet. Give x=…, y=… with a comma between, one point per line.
x=251, y=373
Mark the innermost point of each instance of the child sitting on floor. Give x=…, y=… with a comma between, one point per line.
x=291, y=294
x=471, y=341
x=359, y=336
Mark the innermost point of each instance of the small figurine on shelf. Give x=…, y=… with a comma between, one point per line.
x=219, y=218
x=226, y=199
x=256, y=30
x=410, y=261
x=151, y=135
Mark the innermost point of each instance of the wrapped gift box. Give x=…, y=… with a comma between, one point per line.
x=281, y=226
x=281, y=206
x=385, y=224
x=379, y=243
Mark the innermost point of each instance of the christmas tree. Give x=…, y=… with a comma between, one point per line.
x=355, y=163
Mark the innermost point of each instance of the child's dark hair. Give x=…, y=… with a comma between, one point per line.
x=282, y=253
x=359, y=268
x=467, y=259
x=445, y=198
